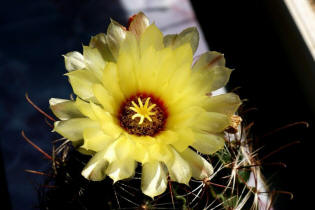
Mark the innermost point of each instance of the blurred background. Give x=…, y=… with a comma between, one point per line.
x=263, y=40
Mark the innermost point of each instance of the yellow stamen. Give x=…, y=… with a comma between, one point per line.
x=143, y=111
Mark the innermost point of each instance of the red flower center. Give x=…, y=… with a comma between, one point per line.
x=143, y=115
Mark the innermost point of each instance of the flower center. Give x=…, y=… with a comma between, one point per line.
x=142, y=115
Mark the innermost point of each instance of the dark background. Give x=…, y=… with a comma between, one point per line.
x=275, y=73
x=273, y=69
x=34, y=36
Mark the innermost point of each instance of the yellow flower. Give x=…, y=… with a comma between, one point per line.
x=140, y=99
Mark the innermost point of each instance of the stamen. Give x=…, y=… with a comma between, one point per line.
x=143, y=111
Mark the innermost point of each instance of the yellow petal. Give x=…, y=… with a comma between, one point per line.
x=144, y=140
x=180, y=76
x=183, y=118
x=184, y=55
x=99, y=42
x=130, y=45
x=165, y=69
x=141, y=153
x=116, y=33
x=127, y=64
x=226, y=103
x=220, y=77
x=96, y=167
x=185, y=138
x=189, y=35
x=160, y=152
x=138, y=24
x=73, y=129
x=74, y=61
x=121, y=169
x=179, y=170
x=81, y=82
x=111, y=81
x=94, y=61
x=84, y=151
x=178, y=81
x=167, y=137
x=212, y=122
x=207, y=143
x=153, y=179
x=121, y=166
x=148, y=70
x=121, y=149
x=209, y=60
x=188, y=101
x=64, y=109
x=85, y=108
x=200, y=167
x=151, y=37
x=108, y=123
x=212, y=79
x=209, y=71
x=106, y=100
x=95, y=139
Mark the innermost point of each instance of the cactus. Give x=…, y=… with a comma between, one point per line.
x=141, y=156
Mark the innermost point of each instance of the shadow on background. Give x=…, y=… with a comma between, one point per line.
x=276, y=73
x=34, y=35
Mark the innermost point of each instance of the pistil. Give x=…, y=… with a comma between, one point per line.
x=142, y=111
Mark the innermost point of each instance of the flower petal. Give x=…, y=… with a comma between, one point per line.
x=105, y=99
x=183, y=118
x=116, y=33
x=84, y=151
x=153, y=179
x=185, y=138
x=212, y=122
x=94, y=61
x=226, y=103
x=220, y=77
x=127, y=63
x=81, y=82
x=189, y=35
x=99, y=42
x=208, y=143
x=148, y=70
x=74, y=61
x=209, y=60
x=161, y=152
x=212, y=79
x=121, y=169
x=95, y=169
x=73, y=129
x=200, y=167
x=141, y=153
x=138, y=24
x=107, y=121
x=85, y=108
x=122, y=148
x=64, y=109
x=167, y=137
x=143, y=140
x=179, y=170
x=166, y=67
x=179, y=77
x=152, y=36
x=95, y=139
x=111, y=81
x=183, y=58
x=209, y=71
